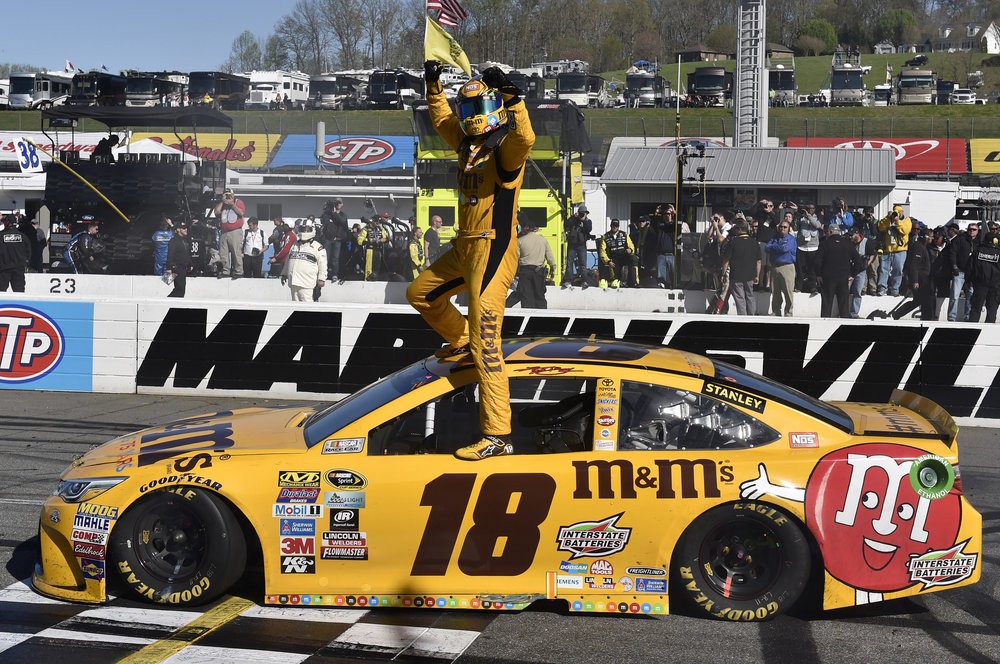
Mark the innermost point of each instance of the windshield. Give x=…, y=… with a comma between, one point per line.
x=323, y=87
x=709, y=81
x=782, y=80
x=639, y=82
x=788, y=395
x=571, y=83
x=335, y=417
x=201, y=85
x=917, y=82
x=141, y=85
x=383, y=84
x=847, y=80
x=22, y=85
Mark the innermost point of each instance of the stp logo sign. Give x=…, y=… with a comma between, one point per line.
x=31, y=344
x=357, y=151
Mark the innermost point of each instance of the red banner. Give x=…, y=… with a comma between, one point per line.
x=913, y=155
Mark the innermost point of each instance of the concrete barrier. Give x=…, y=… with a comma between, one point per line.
x=121, y=334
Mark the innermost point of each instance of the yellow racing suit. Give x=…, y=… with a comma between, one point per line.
x=483, y=256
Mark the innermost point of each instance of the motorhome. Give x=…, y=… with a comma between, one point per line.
x=338, y=91
x=278, y=89
x=646, y=89
x=219, y=90
x=584, y=90
x=4, y=91
x=39, y=90
x=709, y=86
x=847, y=82
x=553, y=69
x=882, y=95
x=146, y=89
x=394, y=89
x=916, y=86
x=781, y=79
x=532, y=86
x=98, y=88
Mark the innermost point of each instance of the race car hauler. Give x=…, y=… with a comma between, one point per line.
x=278, y=89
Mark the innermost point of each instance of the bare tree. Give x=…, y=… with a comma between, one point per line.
x=343, y=18
x=245, y=55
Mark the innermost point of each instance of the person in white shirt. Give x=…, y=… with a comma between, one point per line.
x=254, y=246
x=305, y=268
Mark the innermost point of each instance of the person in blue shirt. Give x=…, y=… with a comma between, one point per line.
x=781, y=250
x=840, y=215
x=161, y=240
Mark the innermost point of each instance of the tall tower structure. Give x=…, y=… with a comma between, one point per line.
x=750, y=84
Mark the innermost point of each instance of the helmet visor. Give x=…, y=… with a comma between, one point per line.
x=484, y=105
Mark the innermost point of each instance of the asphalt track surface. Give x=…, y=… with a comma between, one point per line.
x=40, y=433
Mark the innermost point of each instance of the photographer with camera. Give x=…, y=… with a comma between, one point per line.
x=578, y=228
x=841, y=216
x=894, y=229
x=254, y=246
x=230, y=211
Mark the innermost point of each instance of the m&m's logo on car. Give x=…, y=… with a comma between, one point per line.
x=31, y=344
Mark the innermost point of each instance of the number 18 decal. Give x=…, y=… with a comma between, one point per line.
x=504, y=535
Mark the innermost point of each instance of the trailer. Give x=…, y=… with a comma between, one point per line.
x=278, y=89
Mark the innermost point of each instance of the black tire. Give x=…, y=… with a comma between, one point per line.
x=182, y=547
x=743, y=562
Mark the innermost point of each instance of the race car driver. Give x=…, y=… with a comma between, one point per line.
x=492, y=135
x=305, y=268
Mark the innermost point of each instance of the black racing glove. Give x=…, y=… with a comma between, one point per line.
x=432, y=71
x=495, y=78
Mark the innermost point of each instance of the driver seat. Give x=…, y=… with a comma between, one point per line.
x=563, y=426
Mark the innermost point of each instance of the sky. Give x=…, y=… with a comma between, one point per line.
x=150, y=35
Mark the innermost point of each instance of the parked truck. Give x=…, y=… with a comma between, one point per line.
x=338, y=91
x=278, y=89
x=147, y=89
x=709, y=86
x=584, y=90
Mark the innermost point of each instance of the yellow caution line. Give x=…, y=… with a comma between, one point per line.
x=190, y=633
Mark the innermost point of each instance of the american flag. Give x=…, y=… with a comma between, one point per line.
x=450, y=12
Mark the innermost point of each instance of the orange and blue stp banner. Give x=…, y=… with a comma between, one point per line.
x=913, y=155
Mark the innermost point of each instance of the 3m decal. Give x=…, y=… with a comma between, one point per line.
x=298, y=545
x=594, y=539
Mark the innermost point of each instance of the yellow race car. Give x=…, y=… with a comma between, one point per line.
x=641, y=475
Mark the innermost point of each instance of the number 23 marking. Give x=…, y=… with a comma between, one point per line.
x=500, y=542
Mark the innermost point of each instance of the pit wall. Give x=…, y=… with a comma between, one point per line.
x=248, y=347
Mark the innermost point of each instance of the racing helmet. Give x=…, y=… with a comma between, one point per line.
x=305, y=230
x=480, y=108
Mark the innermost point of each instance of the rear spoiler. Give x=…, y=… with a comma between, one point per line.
x=934, y=413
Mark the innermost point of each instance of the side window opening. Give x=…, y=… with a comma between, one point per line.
x=547, y=415
x=655, y=417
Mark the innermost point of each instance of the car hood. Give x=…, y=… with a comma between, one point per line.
x=238, y=432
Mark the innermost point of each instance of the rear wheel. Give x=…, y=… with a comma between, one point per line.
x=743, y=562
x=181, y=546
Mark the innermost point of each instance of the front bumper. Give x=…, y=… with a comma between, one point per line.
x=68, y=570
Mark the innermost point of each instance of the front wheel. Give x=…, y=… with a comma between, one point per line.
x=181, y=546
x=743, y=561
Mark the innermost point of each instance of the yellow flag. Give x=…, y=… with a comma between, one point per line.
x=439, y=45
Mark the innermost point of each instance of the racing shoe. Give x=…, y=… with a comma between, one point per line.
x=451, y=351
x=616, y=283
x=489, y=446
x=603, y=283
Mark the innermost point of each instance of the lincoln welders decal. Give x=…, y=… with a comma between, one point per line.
x=188, y=353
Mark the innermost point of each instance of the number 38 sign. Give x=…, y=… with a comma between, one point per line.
x=28, y=157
